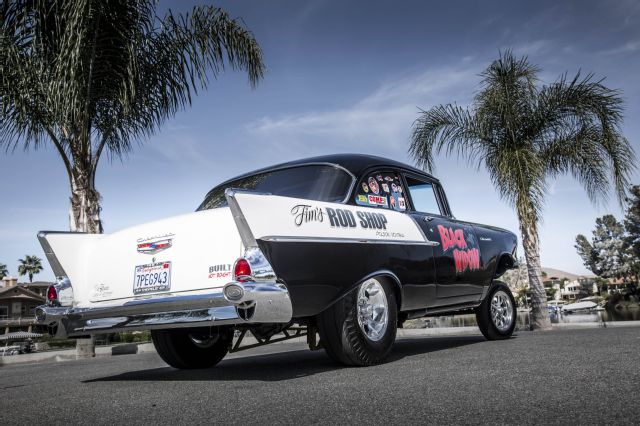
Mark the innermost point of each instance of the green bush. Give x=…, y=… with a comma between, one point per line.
x=57, y=343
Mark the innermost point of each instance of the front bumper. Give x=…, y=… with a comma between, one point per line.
x=235, y=303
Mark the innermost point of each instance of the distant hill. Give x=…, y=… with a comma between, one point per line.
x=561, y=274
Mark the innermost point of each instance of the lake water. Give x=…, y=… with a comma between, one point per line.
x=523, y=318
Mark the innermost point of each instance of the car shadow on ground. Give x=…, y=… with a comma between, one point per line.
x=286, y=365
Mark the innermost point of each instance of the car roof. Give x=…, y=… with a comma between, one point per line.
x=356, y=164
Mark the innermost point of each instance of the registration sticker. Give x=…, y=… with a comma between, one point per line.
x=152, y=277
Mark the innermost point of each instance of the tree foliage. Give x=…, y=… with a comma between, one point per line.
x=612, y=252
x=95, y=77
x=3, y=271
x=632, y=220
x=525, y=134
x=587, y=253
x=30, y=265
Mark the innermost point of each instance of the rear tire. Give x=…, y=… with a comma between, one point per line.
x=192, y=348
x=496, y=315
x=360, y=328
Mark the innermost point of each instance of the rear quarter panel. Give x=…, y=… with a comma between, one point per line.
x=494, y=242
x=204, y=246
x=321, y=250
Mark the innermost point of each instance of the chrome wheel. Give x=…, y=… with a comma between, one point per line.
x=501, y=310
x=373, y=310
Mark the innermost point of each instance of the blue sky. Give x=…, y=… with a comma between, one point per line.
x=346, y=77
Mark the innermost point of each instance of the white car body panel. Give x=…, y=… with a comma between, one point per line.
x=101, y=267
x=276, y=217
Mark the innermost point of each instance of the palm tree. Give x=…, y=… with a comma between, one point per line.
x=93, y=76
x=30, y=266
x=525, y=134
x=3, y=271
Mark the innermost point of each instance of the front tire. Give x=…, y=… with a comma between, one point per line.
x=192, y=348
x=496, y=315
x=360, y=328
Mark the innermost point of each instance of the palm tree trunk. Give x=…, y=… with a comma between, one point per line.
x=539, y=314
x=84, y=216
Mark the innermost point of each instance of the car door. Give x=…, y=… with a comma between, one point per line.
x=457, y=258
x=383, y=188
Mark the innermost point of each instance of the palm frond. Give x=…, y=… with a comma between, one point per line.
x=447, y=128
x=578, y=128
x=96, y=76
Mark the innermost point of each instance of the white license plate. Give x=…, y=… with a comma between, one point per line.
x=152, y=277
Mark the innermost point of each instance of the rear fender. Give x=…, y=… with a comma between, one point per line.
x=323, y=250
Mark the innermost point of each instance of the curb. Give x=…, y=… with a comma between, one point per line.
x=70, y=354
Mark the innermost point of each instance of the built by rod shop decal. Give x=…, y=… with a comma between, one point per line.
x=466, y=257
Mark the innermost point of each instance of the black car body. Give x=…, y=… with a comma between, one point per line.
x=451, y=275
x=344, y=247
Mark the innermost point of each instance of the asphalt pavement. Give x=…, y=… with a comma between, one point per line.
x=556, y=377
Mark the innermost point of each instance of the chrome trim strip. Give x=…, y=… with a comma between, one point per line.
x=433, y=243
x=241, y=222
x=48, y=252
x=261, y=302
x=275, y=169
x=261, y=269
x=285, y=239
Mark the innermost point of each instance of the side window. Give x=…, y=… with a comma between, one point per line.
x=381, y=189
x=423, y=196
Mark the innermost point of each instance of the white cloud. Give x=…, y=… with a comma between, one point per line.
x=533, y=48
x=630, y=46
x=178, y=146
x=379, y=120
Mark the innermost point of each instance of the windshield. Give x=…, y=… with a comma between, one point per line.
x=312, y=182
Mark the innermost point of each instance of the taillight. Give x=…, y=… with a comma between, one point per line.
x=242, y=270
x=52, y=295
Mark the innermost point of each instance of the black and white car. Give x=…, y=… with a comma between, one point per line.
x=341, y=247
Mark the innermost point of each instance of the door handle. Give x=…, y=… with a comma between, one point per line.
x=428, y=218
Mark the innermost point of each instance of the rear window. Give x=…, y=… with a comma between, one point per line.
x=313, y=182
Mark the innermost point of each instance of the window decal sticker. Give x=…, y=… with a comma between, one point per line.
x=373, y=186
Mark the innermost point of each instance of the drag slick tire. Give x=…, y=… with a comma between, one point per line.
x=496, y=315
x=360, y=328
x=192, y=348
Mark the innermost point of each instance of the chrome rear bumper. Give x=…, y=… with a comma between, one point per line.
x=235, y=303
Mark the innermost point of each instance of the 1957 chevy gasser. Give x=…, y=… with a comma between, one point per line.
x=346, y=247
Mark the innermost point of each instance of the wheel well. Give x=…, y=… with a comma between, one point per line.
x=382, y=275
x=505, y=263
x=395, y=285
